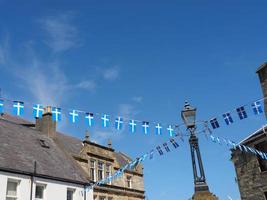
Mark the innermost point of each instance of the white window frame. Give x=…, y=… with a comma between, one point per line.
x=73, y=192
x=17, y=181
x=42, y=185
x=94, y=168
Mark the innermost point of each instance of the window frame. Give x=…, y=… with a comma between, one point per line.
x=100, y=169
x=129, y=181
x=17, y=181
x=108, y=171
x=94, y=178
x=71, y=190
x=40, y=185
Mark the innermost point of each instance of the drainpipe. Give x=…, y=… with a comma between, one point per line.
x=32, y=178
x=84, y=192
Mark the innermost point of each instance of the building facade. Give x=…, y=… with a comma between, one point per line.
x=37, y=162
x=251, y=170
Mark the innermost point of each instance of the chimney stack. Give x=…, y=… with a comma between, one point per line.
x=46, y=124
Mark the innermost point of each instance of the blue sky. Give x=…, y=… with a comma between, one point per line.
x=142, y=60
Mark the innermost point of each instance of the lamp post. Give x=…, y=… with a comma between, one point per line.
x=189, y=117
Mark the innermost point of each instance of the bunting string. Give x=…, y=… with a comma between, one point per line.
x=234, y=145
x=149, y=155
x=118, y=122
x=241, y=113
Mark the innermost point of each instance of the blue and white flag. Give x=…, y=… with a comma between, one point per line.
x=158, y=129
x=145, y=127
x=214, y=123
x=105, y=120
x=170, y=131
x=18, y=108
x=227, y=118
x=56, y=114
x=73, y=116
x=245, y=148
x=257, y=108
x=159, y=150
x=1, y=106
x=151, y=154
x=241, y=112
x=38, y=111
x=174, y=143
x=118, y=123
x=89, y=119
x=132, y=126
x=165, y=145
x=212, y=138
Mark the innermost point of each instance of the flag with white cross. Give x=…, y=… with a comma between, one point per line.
x=105, y=120
x=56, y=114
x=118, y=123
x=257, y=107
x=158, y=129
x=89, y=119
x=1, y=106
x=145, y=127
x=132, y=126
x=18, y=108
x=73, y=116
x=38, y=110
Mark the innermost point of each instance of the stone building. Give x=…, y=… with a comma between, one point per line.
x=38, y=151
x=251, y=170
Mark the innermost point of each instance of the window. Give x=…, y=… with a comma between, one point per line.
x=129, y=181
x=108, y=171
x=100, y=171
x=92, y=170
x=39, y=191
x=110, y=198
x=263, y=163
x=12, y=190
x=102, y=198
x=70, y=194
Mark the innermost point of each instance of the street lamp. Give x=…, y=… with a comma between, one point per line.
x=189, y=117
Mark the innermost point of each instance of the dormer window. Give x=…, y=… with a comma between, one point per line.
x=43, y=144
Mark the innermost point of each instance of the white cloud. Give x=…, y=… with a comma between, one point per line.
x=137, y=99
x=87, y=85
x=48, y=85
x=111, y=74
x=61, y=33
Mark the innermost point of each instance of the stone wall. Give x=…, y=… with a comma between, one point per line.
x=252, y=182
x=118, y=189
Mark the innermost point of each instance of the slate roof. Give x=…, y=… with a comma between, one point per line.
x=262, y=132
x=20, y=147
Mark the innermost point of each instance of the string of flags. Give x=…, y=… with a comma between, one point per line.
x=120, y=122
x=165, y=146
x=149, y=155
x=241, y=113
x=90, y=118
x=234, y=145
